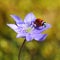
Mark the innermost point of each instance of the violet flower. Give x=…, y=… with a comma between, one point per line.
x=25, y=29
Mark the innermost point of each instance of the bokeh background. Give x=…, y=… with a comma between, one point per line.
x=49, y=11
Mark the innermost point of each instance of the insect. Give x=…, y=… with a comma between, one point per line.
x=39, y=22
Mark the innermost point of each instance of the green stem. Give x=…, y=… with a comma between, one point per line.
x=21, y=49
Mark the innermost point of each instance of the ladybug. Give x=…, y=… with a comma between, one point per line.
x=39, y=22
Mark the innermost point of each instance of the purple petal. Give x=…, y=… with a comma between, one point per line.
x=23, y=26
x=13, y=26
x=21, y=35
x=40, y=29
x=39, y=37
x=17, y=19
x=28, y=37
x=29, y=18
x=43, y=37
x=44, y=28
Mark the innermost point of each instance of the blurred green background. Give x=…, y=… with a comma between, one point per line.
x=49, y=11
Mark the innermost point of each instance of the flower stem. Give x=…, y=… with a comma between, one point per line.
x=20, y=48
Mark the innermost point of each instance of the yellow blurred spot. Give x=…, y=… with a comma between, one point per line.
x=26, y=56
x=58, y=35
x=4, y=44
x=20, y=41
x=47, y=50
x=32, y=45
x=1, y=54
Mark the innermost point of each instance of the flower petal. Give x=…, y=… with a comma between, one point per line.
x=21, y=35
x=17, y=19
x=29, y=18
x=23, y=26
x=39, y=37
x=45, y=27
x=28, y=37
x=13, y=26
x=43, y=38
x=40, y=29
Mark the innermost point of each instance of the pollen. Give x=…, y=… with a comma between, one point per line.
x=28, y=29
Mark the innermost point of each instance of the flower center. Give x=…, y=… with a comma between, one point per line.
x=28, y=29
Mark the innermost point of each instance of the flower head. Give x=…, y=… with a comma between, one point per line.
x=27, y=29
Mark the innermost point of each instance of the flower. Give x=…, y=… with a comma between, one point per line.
x=25, y=29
